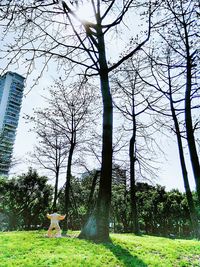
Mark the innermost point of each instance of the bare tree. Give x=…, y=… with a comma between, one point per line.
x=63, y=127
x=168, y=89
x=52, y=148
x=182, y=36
x=52, y=29
x=132, y=98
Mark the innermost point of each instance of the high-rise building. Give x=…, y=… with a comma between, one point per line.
x=11, y=93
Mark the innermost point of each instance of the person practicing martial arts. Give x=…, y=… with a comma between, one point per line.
x=55, y=218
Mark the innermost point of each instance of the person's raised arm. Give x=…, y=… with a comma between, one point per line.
x=48, y=216
x=61, y=217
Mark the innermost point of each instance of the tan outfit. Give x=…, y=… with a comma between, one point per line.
x=55, y=218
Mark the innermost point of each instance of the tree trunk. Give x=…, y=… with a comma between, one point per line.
x=56, y=189
x=67, y=186
x=97, y=226
x=90, y=199
x=132, y=158
x=134, y=213
x=191, y=206
x=188, y=120
x=190, y=138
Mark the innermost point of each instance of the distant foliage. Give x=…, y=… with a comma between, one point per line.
x=160, y=212
x=24, y=201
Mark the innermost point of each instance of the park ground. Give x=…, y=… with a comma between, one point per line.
x=34, y=249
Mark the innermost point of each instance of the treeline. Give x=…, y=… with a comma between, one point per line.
x=25, y=200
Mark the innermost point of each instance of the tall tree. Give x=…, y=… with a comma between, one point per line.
x=131, y=100
x=182, y=36
x=170, y=109
x=65, y=122
x=52, y=29
x=51, y=152
x=174, y=70
x=193, y=213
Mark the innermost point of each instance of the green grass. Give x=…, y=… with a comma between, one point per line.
x=28, y=249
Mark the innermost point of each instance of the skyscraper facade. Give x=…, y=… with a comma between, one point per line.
x=11, y=94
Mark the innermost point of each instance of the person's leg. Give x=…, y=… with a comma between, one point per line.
x=58, y=231
x=49, y=234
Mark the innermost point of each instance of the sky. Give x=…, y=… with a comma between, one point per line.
x=170, y=172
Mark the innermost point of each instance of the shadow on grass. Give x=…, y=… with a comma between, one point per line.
x=124, y=256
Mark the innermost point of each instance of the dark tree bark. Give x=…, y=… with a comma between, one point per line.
x=90, y=204
x=55, y=191
x=97, y=227
x=68, y=183
x=57, y=172
x=132, y=157
x=191, y=206
x=134, y=213
x=188, y=120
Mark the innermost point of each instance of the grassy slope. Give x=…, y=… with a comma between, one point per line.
x=26, y=249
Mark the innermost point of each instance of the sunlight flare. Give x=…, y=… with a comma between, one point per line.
x=85, y=12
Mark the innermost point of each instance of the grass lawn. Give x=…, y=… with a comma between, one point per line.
x=27, y=249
